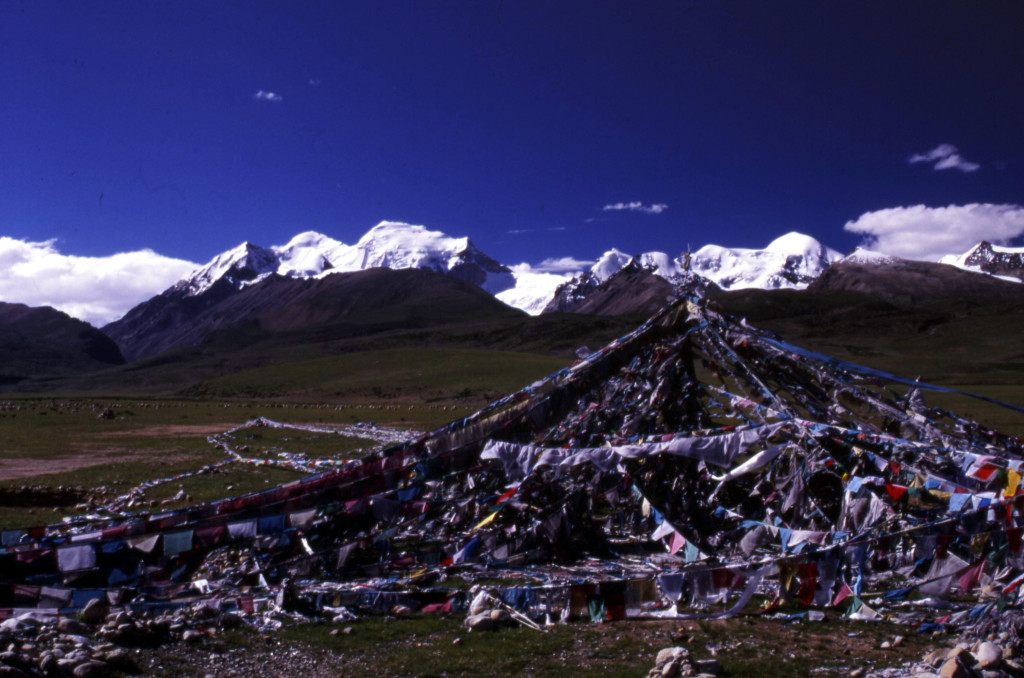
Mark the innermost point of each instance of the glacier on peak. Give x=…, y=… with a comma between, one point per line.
x=389, y=244
x=861, y=255
x=240, y=265
x=791, y=261
x=308, y=255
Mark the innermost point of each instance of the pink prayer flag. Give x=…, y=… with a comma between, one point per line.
x=678, y=542
x=969, y=579
x=844, y=592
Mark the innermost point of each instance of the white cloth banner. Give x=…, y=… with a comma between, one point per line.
x=720, y=450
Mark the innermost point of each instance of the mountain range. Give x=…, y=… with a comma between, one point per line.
x=405, y=278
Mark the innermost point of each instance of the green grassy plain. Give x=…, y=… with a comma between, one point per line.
x=439, y=646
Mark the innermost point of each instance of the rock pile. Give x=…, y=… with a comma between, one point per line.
x=487, y=614
x=676, y=662
x=99, y=642
x=991, y=649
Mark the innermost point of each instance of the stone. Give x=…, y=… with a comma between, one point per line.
x=193, y=636
x=122, y=661
x=91, y=669
x=961, y=652
x=94, y=612
x=73, y=627
x=935, y=658
x=988, y=656
x=953, y=668
x=481, y=622
x=7, y=671
x=897, y=641
x=673, y=669
x=48, y=663
x=711, y=666
x=670, y=653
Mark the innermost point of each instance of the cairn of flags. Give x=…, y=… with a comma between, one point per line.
x=694, y=467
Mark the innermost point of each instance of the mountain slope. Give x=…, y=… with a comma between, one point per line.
x=342, y=304
x=634, y=290
x=42, y=341
x=918, y=284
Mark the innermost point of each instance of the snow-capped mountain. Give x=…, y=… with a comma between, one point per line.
x=533, y=289
x=1005, y=262
x=861, y=255
x=396, y=245
x=243, y=264
x=389, y=244
x=572, y=292
x=792, y=261
x=308, y=255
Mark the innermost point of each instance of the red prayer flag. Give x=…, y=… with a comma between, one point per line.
x=895, y=491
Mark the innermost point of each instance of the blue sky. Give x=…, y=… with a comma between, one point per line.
x=188, y=127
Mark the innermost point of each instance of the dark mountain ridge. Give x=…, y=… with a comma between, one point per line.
x=42, y=341
x=340, y=304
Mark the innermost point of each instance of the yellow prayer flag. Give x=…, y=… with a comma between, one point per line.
x=1012, y=482
x=485, y=521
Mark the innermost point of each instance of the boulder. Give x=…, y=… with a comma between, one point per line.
x=481, y=622
x=988, y=656
x=94, y=612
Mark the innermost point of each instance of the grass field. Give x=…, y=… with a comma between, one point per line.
x=433, y=646
x=104, y=446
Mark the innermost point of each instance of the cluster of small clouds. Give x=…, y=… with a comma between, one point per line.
x=520, y=231
x=945, y=156
x=929, y=233
x=637, y=206
x=98, y=290
x=263, y=95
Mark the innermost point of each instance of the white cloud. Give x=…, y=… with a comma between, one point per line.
x=956, y=162
x=945, y=156
x=656, y=208
x=560, y=265
x=95, y=289
x=928, y=233
x=267, y=96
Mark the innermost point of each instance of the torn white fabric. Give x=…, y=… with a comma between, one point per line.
x=720, y=450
